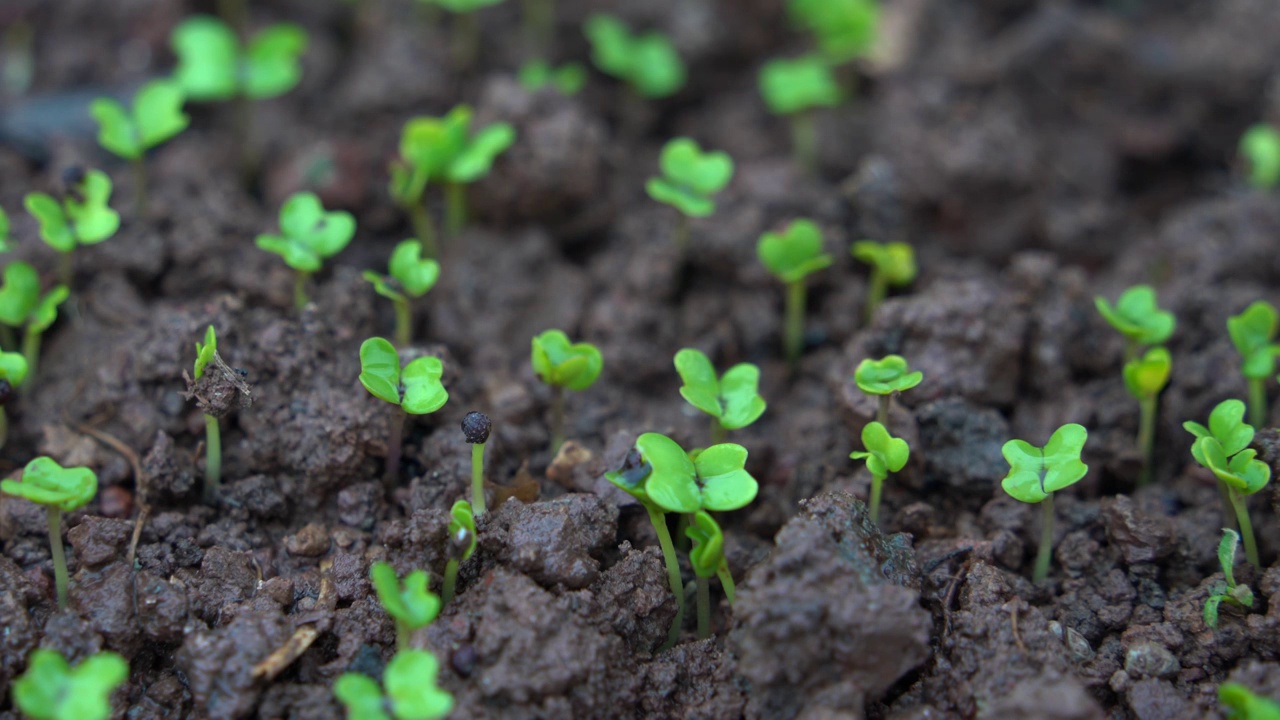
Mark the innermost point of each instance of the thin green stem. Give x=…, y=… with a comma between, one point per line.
x=659, y=521
x=1147, y=436
x=539, y=18
x=402, y=636
x=212, y=458
x=1257, y=402
x=466, y=40
x=681, y=235
x=60, y=581
x=877, y=485
x=1045, y=555
x=704, y=607
x=882, y=410
x=1241, y=507
x=477, y=478
x=557, y=419
x=140, y=185
x=1228, y=509
x=300, y=298
x=877, y=288
x=391, y=473
x=66, y=269
x=795, y=321
x=404, y=322
x=31, y=352
x=450, y=580
x=726, y=581
x=718, y=431
x=1130, y=349
x=7, y=341
x=804, y=141
x=423, y=228
x=455, y=195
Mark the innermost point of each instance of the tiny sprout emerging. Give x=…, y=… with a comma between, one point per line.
x=1253, y=332
x=884, y=377
x=205, y=353
x=733, y=401
x=1222, y=448
x=309, y=236
x=796, y=88
x=568, y=79
x=892, y=264
x=707, y=558
x=51, y=689
x=690, y=178
x=83, y=217
x=1245, y=705
x=648, y=63
x=845, y=29
x=1145, y=377
x=1137, y=316
x=1035, y=474
x=411, y=277
x=792, y=255
x=213, y=66
x=562, y=364
x=416, y=390
x=476, y=427
x=884, y=454
x=1260, y=147
x=1229, y=591
x=155, y=117
x=411, y=606
x=462, y=543
x=58, y=489
x=22, y=305
x=13, y=372
x=412, y=693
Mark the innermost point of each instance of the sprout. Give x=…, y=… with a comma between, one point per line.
x=733, y=401
x=1137, y=316
x=648, y=63
x=1253, y=332
x=792, y=255
x=891, y=264
x=411, y=277
x=1245, y=705
x=561, y=365
x=411, y=606
x=155, y=117
x=82, y=217
x=1260, y=147
x=689, y=181
x=1145, y=377
x=13, y=373
x=568, y=79
x=884, y=377
x=309, y=236
x=476, y=427
x=51, y=689
x=1035, y=474
x=707, y=558
x=795, y=88
x=412, y=693
x=884, y=454
x=462, y=544
x=213, y=66
x=416, y=390
x=205, y=353
x=1229, y=591
x=58, y=489
x=1222, y=448
x=845, y=29
x=22, y=306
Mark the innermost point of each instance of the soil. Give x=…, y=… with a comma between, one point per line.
x=1035, y=153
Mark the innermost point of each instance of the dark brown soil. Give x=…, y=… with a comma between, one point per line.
x=1036, y=154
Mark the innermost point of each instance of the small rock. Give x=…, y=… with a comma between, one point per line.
x=1141, y=537
x=1147, y=659
x=311, y=541
x=115, y=502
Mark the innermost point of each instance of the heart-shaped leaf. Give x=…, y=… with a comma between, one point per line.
x=410, y=678
x=722, y=478
x=794, y=253
x=423, y=391
x=1253, y=332
x=1137, y=316
x=1146, y=376
x=476, y=158
x=271, y=64
x=411, y=604
x=380, y=369
x=208, y=53
x=19, y=295
x=791, y=86
x=417, y=275
x=560, y=363
x=896, y=261
x=1034, y=473
x=884, y=453
x=885, y=376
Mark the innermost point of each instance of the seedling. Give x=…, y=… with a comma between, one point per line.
x=416, y=390
x=568, y=79
x=309, y=236
x=58, y=489
x=648, y=63
x=13, y=372
x=1229, y=591
x=1223, y=449
x=1226, y=423
x=465, y=32
x=796, y=88
x=1138, y=318
x=707, y=558
x=155, y=117
x=561, y=365
x=1145, y=377
x=443, y=150
x=462, y=544
x=884, y=377
x=22, y=306
x=1245, y=705
x=1260, y=147
x=792, y=255
x=82, y=217
x=205, y=352
x=1035, y=474
x=51, y=689
x=411, y=605
x=1253, y=332
x=733, y=401
x=845, y=29
x=412, y=693
x=689, y=182
x=884, y=454
x=212, y=65
x=892, y=264
x=476, y=427
x=412, y=276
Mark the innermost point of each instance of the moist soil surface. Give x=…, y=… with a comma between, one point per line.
x=1035, y=153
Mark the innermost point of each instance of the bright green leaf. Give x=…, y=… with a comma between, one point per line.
x=380, y=369
x=795, y=252
x=896, y=261
x=45, y=482
x=733, y=399
x=792, y=86
x=410, y=678
x=309, y=233
x=19, y=295
x=690, y=178
x=462, y=528
x=1260, y=147
x=1034, y=473
x=649, y=63
x=884, y=453
x=410, y=604
x=51, y=689
x=723, y=482
x=1253, y=332
x=561, y=364
x=1137, y=316
x=885, y=376
x=361, y=696
x=707, y=553
x=205, y=351
x=13, y=368
x=1227, y=425
x=208, y=53
x=417, y=275
x=423, y=391
x=1146, y=376
x=271, y=64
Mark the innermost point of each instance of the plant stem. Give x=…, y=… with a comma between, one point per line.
x=1045, y=554
x=704, y=607
x=882, y=410
x=66, y=270
x=300, y=298
x=404, y=323
x=466, y=40
x=557, y=419
x=726, y=581
x=877, y=484
x=402, y=636
x=673, y=569
x=30, y=351
x=423, y=228
x=718, y=431
x=1147, y=437
x=1246, y=528
x=1228, y=509
x=804, y=141
x=1257, y=402
x=477, y=478
x=1130, y=349
x=450, y=580
x=681, y=236
x=539, y=18
x=795, y=321
x=7, y=341
x=54, y=515
x=140, y=185
x=212, y=458
x=877, y=288
x=392, y=471
x=455, y=195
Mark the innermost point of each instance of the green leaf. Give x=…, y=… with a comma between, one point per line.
x=380, y=369
x=1227, y=425
x=205, y=351
x=309, y=233
x=1227, y=554
x=707, y=554
x=462, y=527
x=45, y=482
x=13, y=367
x=1260, y=146
x=1146, y=376
x=19, y=295
x=884, y=453
x=568, y=79
x=792, y=86
x=92, y=219
x=271, y=64
x=885, y=376
x=1245, y=705
x=1211, y=610
x=1253, y=332
x=794, y=253
x=412, y=604
x=55, y=229
x=723, y=482
x=410, y=678
x=157, y=111
x=208, y=54
x=116, y=130
x=690, y=178
x=845, y=29
x=701, y=387
x=423, y=391
x=475, y=160
x=1240, y=471
x=895, y=260
x=672, y=484
x=414, y=273
x=733, y=399
x=1137, y=316
x=610, y=44
x=430, y=144
x=383, y=286
x=649, y=63
x=46, y=311
x=361, y=696
x=1034, y=473
x=50, y=689
x=561, y=364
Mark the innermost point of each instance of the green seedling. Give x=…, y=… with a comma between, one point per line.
x=1229, y=591
x=1245, y=705
x=411, y=277
x=648, y=63
x=462, y=544
x=1145, y=377
x=465, y=31
x=476, y=428
x=212, y=65
x=792, y=255
x=1138, y=318
x=82, y=217
x=562, y=365
x=445, y=151
x=13, y=373
x=4, y=232
x=416, y=390
x=796, y=88
x=155, y=117
x=733, y=400
x=412, y=692
x=689, y=182
x=1227, y=425
x=22, y=306
x=1253, y=332
x=892, y=264
x=309, y=235
x=1260, y=147
x=51, y=689
x=58, y=489
x=1035, y=474
x=568, y=79
x=845, y=29
x=205, y=353
x=883, y=378
x=707, y=558
x=411, y=605
x=1223, y=449
x=884, y=454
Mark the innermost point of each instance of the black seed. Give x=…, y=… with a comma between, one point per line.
x=72, y=176
x=464, y=660
x=476, y=427
x=6, y=392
